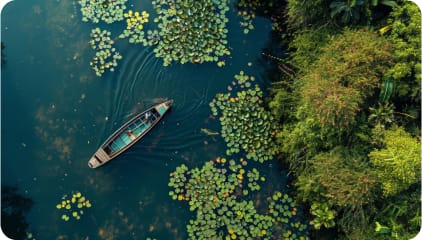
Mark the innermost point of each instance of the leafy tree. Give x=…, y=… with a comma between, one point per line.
x=305, y=49
x=348, y=71
x=405, y=32
x=306, y=46
x=339, y=176
x=398, y=162
x=301, y=141
x=342, y=180
x=305, y=13
x=356, y=11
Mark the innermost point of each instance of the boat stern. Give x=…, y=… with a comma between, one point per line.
x=99, y=158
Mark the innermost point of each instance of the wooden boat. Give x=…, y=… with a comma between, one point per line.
x=129, y=134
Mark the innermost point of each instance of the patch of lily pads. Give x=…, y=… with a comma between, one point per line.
x=187, y=31
x=245, y=124
x=108, y=11
x=219, y=193
x=135, y=27
x=73, y=206
x=246, y=9
x=106, y=56
x=191, y=31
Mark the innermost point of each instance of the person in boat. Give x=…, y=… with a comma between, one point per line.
x=130, y=135
x=148, y=117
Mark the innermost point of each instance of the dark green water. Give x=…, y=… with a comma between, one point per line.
x=56, y=112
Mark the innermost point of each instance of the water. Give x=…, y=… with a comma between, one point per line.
x=56, y=112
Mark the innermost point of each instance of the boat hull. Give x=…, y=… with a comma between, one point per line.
x=129, y=134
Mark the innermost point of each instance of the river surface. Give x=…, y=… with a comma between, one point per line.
x=55, y=113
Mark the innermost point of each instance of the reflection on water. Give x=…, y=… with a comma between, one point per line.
x=67, y=112
x=14, y=207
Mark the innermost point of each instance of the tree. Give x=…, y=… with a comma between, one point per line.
x=305, y=13
x=306, y=46
x=304, y=50
x=405, y=34
x=397, y=163
x=348, y=70
x=340, y=177
x=344, y=182
x=356, y=11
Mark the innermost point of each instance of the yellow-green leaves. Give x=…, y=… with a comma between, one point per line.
x=72, y=206
x=398, y=162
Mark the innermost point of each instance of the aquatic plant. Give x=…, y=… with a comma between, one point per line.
x=108, y=11
x=134, y=27
x=106, y=55
x=245, y=124
x=216, y=191
x=208, y=132
x=324, y=216
x=72, y=207
x=284, y=210
x=219, y=184
x=246, y=11
x=190, y=31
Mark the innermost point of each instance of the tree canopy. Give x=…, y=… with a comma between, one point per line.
x=347, y=71
x=349, y=111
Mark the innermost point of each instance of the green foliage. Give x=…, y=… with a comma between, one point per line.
x=245, y=124
x=381, y=229
x=339, y=177
x=387, y=88
x=282, y=103
x=305, y=49
x=306, y=46
x=346, y=73
x=400, y=216
x=329, y=104
x=405, y=30
x=301, y=141
x=398, y=161
x=134, y=27
x=348, y=10
x=106, y=55
x=247, y=11
x=105, y=10
x=322, y=12
x=324, y=217
x=304, y=13
x=382, y=115
x=191, y=31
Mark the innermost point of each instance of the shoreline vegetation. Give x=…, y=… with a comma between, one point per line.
x=348, y=108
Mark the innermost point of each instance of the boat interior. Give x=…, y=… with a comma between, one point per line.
x=133, y=131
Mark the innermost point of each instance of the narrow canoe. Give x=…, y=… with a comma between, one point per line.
x=128, y=134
